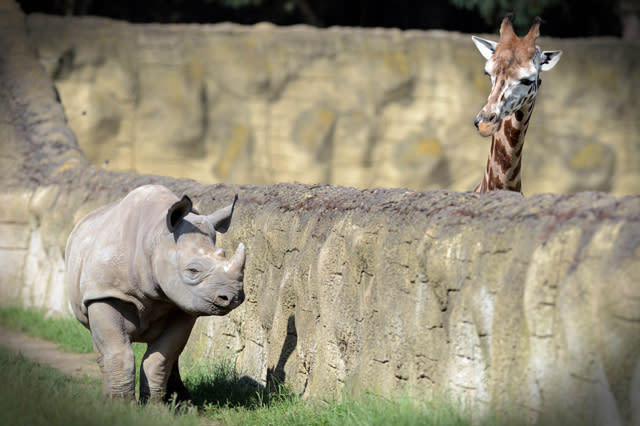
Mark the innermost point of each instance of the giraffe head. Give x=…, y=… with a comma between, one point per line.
x=514, y=65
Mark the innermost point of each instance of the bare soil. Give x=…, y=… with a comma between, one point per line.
x=45, y=352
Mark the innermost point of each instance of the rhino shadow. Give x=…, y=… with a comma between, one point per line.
x=223, y=386
x=276, y=376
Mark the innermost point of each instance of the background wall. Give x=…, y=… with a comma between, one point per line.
x=354, y=107
x=513, y=305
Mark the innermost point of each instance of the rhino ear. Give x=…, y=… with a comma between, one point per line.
x=221, y=219
x=177, y=212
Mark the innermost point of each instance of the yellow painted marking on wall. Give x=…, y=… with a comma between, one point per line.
x=238, y=142
x=322, y=119
x=66, y=166
x=174, y=85
x=591, y=156
x=429, y=147
x=196, y=70
x=416, y=151
x=482, y=83
x=397, y=61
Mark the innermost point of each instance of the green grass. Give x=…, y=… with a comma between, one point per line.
x=368, y=409
x=224, y=397
x=37, y=395
x=68, y=333
x=33, y=394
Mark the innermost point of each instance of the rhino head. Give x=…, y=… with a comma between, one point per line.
x=190, y=271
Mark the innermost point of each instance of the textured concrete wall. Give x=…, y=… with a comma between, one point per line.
x=529, y=305
x=353, y=107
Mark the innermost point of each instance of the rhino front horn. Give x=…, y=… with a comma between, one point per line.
x=235, y=265
x=221, y=219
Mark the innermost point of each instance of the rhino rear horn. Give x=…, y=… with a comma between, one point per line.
x=221, y=219
x=177, y=212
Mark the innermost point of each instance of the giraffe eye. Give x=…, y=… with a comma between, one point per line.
x=527, y=82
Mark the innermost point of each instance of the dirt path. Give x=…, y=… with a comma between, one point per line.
x=46, y=352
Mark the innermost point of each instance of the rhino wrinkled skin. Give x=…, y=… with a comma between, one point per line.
x=142, y=270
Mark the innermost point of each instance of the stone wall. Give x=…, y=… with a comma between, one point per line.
x=353, y=107
x=512, y=304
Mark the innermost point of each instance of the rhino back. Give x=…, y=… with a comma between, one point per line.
x=108, y=252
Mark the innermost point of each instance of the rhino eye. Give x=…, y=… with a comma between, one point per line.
x=196, y=270
x=192, y=272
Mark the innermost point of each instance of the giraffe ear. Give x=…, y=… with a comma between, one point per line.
x=549, y=59
x=486, y=47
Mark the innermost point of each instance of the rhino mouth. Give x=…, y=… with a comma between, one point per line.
x=219, y=309
x=223, y=302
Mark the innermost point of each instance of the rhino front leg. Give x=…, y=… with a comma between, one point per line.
x=99, y=359
x=108, y=322
x=157, y=375
x=176, y=386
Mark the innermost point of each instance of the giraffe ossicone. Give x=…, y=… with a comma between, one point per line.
x=514, y=65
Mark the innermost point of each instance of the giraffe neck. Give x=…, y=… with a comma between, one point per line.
x=505, y=157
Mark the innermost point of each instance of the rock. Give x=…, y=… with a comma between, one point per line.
x=340, y=106
x=521, y=306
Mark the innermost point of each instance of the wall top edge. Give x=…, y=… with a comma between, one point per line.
x=234, y=28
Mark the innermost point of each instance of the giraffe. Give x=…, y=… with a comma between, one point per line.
x=514, y=65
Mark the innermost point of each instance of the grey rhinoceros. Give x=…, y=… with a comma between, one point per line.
x=141, y=270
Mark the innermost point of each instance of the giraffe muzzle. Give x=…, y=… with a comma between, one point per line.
x=486, y=128
x=487, y=121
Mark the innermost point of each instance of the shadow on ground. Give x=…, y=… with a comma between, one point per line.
x=221, y=385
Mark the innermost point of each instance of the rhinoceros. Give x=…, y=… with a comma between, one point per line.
x=142, y=270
